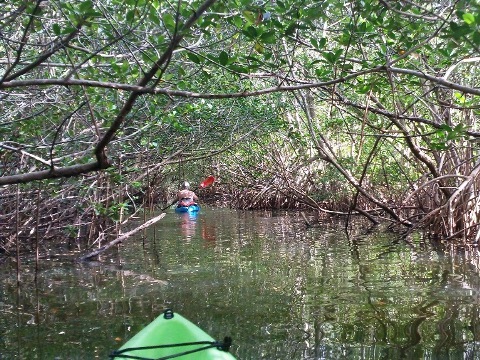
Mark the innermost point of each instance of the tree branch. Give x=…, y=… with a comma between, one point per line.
x=143, y=89
x=122, y=237
x=66, y=171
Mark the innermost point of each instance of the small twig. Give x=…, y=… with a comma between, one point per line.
x=23, y=152
x=307, y=223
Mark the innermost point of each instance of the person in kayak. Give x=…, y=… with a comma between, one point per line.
x=186, y=197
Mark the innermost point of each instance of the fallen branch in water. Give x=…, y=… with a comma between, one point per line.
x=308, y=224
x=121, y=238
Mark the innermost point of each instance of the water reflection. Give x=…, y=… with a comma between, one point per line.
x=188, y=224
x=208, y=231
x=282, y=292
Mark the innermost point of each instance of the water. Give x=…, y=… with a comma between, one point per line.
x=279, y=290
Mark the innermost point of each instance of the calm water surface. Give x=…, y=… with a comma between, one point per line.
x=279, y=290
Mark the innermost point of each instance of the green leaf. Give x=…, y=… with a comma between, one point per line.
x=259, y=47
x=238, y=68
x=146, y=58
x=314, y=62
x=156, y=4
x=250, y=32
x=253, y=60
x=459, y=30
x=332, y=57
x=438, y=146
x=338, y=53
x=323, y=73
x=223, y=58
x=345, y=38
x=169, y=21
x=86, y=6
x=451, y=136
x=212, y=57
x=250, y=16
x=182, y=85
x=68, y=30
x=460, y=97
x=56, y=29
x=476, y=37
x=181, y=71
x=114, y=66
x=125, y=66
x=130, y=15
x=194, y=58
x=291, y=29
x=269, y=37
x=363, y=89
x=237, y=21
x=153, y=17
x=444, y=128
x=469, y=18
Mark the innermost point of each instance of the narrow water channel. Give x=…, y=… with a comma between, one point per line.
x=279, y=290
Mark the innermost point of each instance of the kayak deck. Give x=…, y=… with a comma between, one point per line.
x=172, y=336
x=191, y=208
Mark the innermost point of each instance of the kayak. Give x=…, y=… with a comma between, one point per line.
x=172, y=336
x=190, y=208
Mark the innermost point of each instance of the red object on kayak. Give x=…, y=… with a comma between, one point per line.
x=207, y=182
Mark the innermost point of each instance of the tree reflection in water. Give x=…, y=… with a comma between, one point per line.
x=280, y=290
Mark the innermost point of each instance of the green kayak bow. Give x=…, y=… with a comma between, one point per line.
x=171, y=336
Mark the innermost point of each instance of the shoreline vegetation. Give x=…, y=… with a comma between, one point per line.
x=353, y=109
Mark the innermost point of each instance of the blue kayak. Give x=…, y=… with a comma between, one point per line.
x=193, y=208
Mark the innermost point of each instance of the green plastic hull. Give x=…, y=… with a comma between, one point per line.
x=173, y=331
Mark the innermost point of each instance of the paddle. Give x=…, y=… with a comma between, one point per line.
x=205, y=183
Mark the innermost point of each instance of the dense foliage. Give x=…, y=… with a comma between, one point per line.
x=365, y=107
